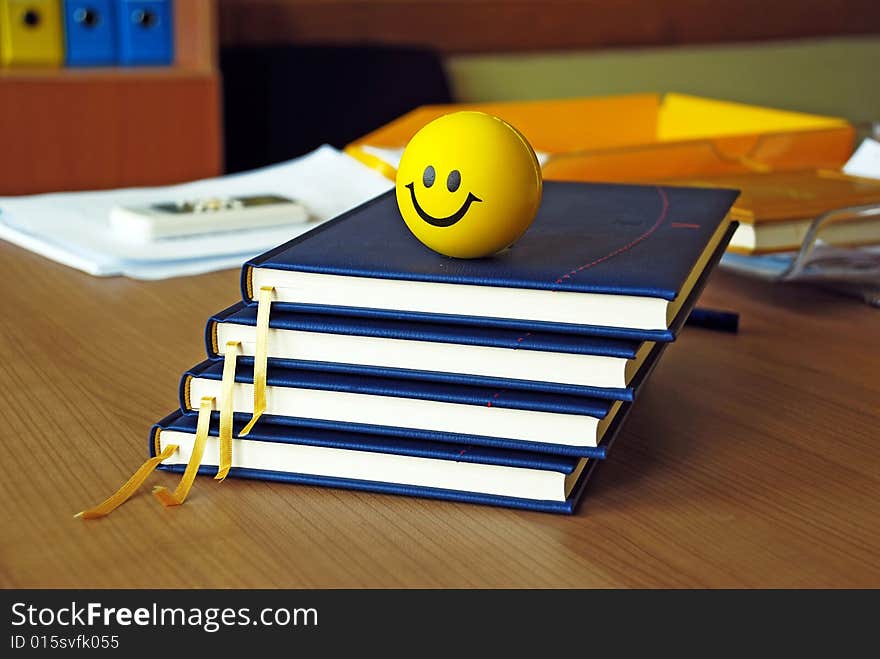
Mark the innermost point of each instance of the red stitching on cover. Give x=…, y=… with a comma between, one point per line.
x=663, y=212
x=684, y=225
x=523, y=337
x=495, y=397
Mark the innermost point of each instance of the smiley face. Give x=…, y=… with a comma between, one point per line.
x=468, y=185
x=453, y=182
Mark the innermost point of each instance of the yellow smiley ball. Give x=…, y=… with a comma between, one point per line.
x=468, y=185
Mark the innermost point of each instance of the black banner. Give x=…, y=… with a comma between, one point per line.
x=40, y=622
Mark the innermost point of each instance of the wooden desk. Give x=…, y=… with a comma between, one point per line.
x=750, y=460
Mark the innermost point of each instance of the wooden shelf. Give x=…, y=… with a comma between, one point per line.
x=109, y=73
x=90, y=128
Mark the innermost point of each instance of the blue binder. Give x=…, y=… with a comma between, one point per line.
x=146, y=32
x=90, y=32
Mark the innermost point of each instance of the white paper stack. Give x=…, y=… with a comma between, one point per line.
x=73, y=228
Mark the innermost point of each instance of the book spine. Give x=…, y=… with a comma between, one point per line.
x=246, y=285
x=159, y=426
x=183, y=393
x=211, y=347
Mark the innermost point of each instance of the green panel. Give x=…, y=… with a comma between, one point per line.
x=837, y=77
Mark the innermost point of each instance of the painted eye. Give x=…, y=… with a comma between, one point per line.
x=453, y=180
x=429, y=176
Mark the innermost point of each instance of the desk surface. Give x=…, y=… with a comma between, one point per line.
x=749, y=460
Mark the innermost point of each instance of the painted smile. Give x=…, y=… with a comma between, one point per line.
x=447, y=221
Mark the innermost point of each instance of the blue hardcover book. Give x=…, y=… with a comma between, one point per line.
x=90, y=32
x=145, y=32
x=613, y=260
x=428, y=410
x=384, y=464
x=460, y=354
x=456, y=354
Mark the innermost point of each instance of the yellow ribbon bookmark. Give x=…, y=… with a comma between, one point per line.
x=227, y=407
x=261, y=356
x=122, y=495
x=177, y=497
x=230, y=356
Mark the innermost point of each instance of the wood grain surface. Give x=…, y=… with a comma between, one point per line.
x=749, y=460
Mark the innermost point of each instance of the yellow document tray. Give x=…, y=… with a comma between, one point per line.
x=643, y=136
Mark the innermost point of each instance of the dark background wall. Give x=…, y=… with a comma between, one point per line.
x=471, y=26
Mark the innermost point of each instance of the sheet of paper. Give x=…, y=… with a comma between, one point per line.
x=73, y=228
x=865, y=162
x=392, y=155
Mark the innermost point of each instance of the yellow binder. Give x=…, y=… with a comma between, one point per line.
x=30, y=33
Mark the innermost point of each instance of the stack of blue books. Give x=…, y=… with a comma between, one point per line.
x=358, y=358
